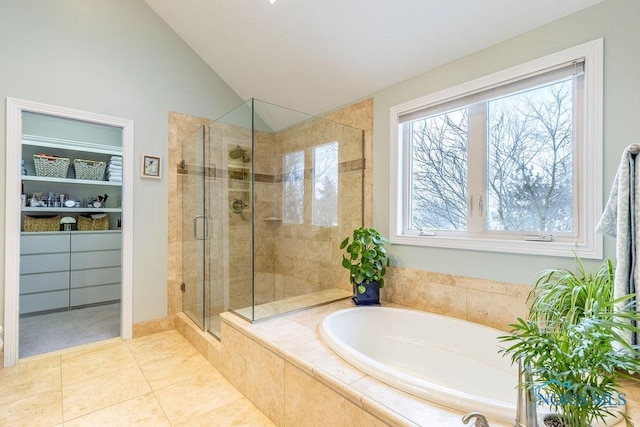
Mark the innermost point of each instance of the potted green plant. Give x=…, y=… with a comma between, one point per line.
x=367, y=261
x=573, y=344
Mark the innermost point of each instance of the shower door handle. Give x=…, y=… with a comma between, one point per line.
x=205, y=227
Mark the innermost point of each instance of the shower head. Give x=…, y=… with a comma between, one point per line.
x=239, y=153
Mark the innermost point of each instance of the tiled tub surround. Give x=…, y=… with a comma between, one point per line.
x=487, y=302
x=284, y=369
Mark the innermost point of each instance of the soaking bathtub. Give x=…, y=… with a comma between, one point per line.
x=441, y=359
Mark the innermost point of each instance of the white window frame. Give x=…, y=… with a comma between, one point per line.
x=590, y=153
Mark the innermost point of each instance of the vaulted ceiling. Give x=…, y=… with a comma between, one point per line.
x=314, y=56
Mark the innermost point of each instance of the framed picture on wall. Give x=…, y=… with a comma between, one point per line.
x=151, y=166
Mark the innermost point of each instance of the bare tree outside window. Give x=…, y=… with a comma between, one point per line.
x=508, y=162
x=325, y=184
x=293, y=188
x=439, y=162
x=529, y=161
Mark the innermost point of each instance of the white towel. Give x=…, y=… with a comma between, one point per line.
x=621, y=220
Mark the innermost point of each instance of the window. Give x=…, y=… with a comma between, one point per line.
x=293, y=188
x=325, y=185
x=509, y=162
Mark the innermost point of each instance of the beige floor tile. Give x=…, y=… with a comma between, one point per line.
x=142, y=411
x=189, y=400
x=158, y=346
x=240, y=412
x=43, y=409
x=28, y=378
x=100, y=392
x=96, y=362
x=68, y=353
x=181, y=366
x=29, y=364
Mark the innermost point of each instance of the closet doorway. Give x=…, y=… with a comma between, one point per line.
x=68, y=245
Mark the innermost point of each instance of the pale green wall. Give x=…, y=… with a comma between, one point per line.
x=614, y=20
x=114, y=57
x=117, y=57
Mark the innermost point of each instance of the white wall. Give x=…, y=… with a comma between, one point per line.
x=114, y=57
x=614, y=20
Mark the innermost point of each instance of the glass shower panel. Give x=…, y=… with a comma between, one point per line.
x=268, y=194
x=215, y=211
x=194, y=227
x=232, y=141
x=308, y=195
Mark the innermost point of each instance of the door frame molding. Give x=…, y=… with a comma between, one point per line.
x=15, y=107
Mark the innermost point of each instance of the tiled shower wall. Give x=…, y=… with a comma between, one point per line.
x=307, y=256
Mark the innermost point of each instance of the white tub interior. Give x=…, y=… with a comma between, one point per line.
x=445, y=360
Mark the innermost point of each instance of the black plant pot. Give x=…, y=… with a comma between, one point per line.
x=553, y=420
x=371, y=295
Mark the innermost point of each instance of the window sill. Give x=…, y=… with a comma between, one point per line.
x=589, y=250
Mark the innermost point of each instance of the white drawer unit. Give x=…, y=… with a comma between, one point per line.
x=33, y=303
x=95, y=294
x=95, y=259
x=44, y=243
x=44, y=263
x=44, y=282
x=95, y=241
x=95, y=277
x=68, y=269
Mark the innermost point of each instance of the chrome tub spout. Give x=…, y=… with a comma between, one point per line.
x=481, y=421
x=526, y=413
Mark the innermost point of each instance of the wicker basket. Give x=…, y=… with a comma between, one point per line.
x=41, y=224
x=92, y=224
x=51, y=166
x=89, y=169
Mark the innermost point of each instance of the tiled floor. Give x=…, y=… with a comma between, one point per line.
x=158, y=380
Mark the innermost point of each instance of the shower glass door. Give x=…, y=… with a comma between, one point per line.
x=195, y=231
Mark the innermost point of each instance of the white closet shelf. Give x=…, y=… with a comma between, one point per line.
x=83, y=210
x=47, y=179
x=65, y=144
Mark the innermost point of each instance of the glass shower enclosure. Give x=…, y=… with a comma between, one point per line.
x=268, y=194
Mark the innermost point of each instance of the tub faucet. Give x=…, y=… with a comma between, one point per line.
x=526, y=413
x=481, y=421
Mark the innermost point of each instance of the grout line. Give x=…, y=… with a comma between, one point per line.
x=61, y=391
x=155, y=396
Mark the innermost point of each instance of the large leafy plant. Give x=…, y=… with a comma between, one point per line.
x=365, y=257
x=573, y=342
